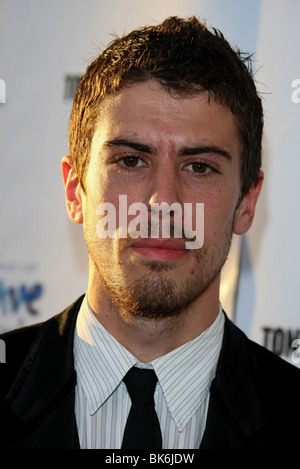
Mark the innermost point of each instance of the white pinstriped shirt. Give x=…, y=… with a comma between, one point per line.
x=181, y=397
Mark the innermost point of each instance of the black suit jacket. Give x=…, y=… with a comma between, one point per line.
x=254, y=400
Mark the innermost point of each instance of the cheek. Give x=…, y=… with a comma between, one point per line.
x=219, y=214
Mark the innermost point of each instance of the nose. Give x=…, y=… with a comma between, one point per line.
x=164, y=187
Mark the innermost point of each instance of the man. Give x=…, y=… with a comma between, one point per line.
x=167, y=116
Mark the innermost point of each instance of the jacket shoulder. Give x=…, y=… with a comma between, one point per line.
x=274, y=378
x=274, y=370
x=19, y=342
x=268, y=365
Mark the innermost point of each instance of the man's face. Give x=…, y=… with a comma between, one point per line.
x=153, y=147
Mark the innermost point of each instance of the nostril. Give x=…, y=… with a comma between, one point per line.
x=163, y=206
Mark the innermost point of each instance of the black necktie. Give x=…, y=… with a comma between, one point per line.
x=142, y=430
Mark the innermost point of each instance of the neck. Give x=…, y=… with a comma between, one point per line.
x=149, y=338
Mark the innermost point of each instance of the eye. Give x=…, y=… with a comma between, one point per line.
x=131, y=161
x=199, y=167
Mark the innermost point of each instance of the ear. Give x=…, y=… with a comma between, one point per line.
x=73, y=190
x=245, y=211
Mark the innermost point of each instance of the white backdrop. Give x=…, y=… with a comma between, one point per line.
x=269, y=289
x=44, y=46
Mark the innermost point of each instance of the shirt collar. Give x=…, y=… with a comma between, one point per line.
x=101, y=361
x=184, y=374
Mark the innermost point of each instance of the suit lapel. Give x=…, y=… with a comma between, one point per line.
x=44, y=389
x=39, y=409
x=236, y=416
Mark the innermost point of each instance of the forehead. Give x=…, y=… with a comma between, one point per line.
x=147, y=110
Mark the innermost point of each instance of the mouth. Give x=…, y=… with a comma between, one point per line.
x=166, y=250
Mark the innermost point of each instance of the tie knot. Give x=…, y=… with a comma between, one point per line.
x=141, y=384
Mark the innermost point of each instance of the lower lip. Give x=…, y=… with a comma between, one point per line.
x=160, y=254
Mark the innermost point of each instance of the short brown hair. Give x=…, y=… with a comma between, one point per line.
x=185, y=57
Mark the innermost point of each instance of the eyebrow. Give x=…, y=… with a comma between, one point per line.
x=198, y=150
x=122, y=142
x=185, y=151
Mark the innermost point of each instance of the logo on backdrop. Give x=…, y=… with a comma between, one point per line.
x=12, y=298
x=2, y=91
x=283, y=342
x=70, y=86
x=20, y=292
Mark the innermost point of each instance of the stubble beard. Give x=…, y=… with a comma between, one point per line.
x=155, y=296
